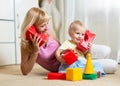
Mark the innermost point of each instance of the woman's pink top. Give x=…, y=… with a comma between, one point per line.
x=46, y=57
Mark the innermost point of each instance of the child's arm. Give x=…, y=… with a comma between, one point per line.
x=89, y=50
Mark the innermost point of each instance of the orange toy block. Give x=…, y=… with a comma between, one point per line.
x=53, y=75
x=70, y=57
x=31, y=30
x=74, y=74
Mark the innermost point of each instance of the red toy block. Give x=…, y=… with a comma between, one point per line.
x=70, y=57
x=53, y=75
x=82, y=46
x=33, y=31
x=88, y=38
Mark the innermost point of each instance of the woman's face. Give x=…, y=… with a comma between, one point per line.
x=42, y=28
x=77, y=33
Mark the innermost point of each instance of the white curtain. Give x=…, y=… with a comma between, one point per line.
x=67, y=12
x=52, y=10
x=103, y=18
x=62, y=14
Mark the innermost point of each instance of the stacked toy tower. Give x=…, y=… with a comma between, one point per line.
x=89, y=69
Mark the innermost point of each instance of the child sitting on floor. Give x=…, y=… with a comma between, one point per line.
x=76, y=33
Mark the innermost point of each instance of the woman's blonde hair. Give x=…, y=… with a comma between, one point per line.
x=34, y=17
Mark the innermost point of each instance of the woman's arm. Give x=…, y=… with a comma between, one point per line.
x=27, y=61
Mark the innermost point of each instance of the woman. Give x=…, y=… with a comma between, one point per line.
x=30, y=50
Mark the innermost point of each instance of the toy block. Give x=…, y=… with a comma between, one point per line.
x=89, y=36
x=69, y=56
x=83, y=44
x=90, y=76
x=74, y=74
x=31, y=30
x=89, y=69
x=53, y=75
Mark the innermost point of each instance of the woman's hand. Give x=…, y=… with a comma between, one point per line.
x=35, y=42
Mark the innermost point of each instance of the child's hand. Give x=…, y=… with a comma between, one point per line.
x=63, y=52
x=63, y=61
x=89, y=47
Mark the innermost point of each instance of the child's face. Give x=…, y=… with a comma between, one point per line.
x=77, y=33
x=42, y=28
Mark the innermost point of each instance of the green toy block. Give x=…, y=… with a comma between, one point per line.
x=90, y=76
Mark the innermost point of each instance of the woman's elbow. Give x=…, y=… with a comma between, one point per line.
x=24, y=71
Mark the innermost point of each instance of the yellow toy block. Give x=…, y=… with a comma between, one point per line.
x=89, y=69
x=74, y=74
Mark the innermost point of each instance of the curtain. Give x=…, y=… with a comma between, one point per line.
x=51, y=9
x=62, y=14
x=103, y=18
x=67, y=13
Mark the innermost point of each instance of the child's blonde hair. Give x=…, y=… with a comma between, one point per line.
x=34, y=16
x=73, y=24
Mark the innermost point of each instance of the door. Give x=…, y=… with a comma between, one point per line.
x=7, y=33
